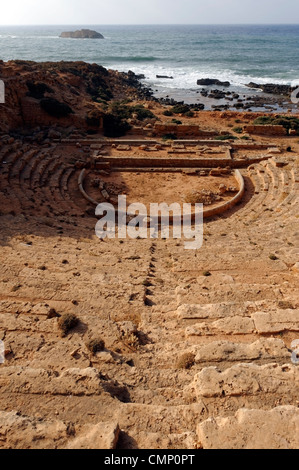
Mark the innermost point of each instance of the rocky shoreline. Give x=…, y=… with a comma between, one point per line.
x=219, y=95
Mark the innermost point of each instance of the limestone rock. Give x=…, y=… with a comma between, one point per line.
x=18, y=431
x=252, y=429
x=197, y=311
x=218, y=351
x=275, y=322
x=99, y=436
x=246, y=379
x=232, y=325
x=40, y=381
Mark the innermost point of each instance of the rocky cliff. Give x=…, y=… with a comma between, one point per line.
x=61, y=93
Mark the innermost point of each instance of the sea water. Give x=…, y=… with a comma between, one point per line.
x=237, y=53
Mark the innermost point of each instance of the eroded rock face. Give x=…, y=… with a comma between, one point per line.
x=19, y=431
x=35, y=381
x=245, y=379
x=98, y=436
x=82, y=34
x=252, y=429
x=272, y=88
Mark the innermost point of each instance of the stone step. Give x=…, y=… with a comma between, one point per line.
x=252, y=429
x=247, y=379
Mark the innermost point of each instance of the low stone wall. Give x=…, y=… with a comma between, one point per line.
x=180, y=130
x=151, y=162
x=217, y=210
x=266, y=130
x=232, y=202
x=82, y=190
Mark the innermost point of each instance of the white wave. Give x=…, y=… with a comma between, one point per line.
x=186, y=77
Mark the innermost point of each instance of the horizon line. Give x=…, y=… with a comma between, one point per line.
x=153, y=24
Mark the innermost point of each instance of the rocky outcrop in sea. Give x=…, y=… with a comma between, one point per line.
x=82, y=34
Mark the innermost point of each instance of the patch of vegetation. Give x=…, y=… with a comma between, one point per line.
x=225, y=137
x=169, y=137
x=167, y=113
x=142, y=112
x=55, y=108
x=67, y=322
x=273, y=257
x=238, y=130
x=131, y=340
x=115, y=126
x=116, y=120
x=176, y=121
x=180, y=109
x=186, y=361
x=288, y=122
x=189, y=114
x=206, y=273
x=285, y=304
x=123, y=111
x=95, y=345
x=93, y=118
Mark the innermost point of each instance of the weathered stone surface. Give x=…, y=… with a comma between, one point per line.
x=40, y=381
x=246, y=379
x=197, y=311
x=252, y=429
x=265, y=130
x=219, y=351
x=18, y=431
x=99, y=436
x=276, y=322
x=231, y=325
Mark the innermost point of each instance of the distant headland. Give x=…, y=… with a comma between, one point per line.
x=82, y=34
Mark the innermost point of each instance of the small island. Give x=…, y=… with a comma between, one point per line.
x=82, y=34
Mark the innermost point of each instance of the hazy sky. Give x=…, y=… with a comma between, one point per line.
x=85, y=12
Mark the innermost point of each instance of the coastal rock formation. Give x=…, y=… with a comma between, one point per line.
x=272, y=88
x=63, y=93
x=164, y=76
x=82, y=34
x=212, y=81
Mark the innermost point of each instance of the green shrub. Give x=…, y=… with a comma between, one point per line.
x=93, y=118
x=288, y=122
x=189, y=114
x=114, y=126
x=142, y=112
x=180, y=109
x=168, y=113
x=169, y=137
x=225, y=137
x=238, y=130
